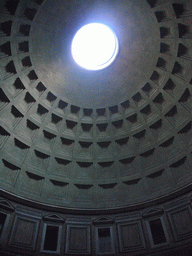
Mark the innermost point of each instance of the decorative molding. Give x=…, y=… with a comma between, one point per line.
x=152, y=212
x=103, y=220
x=180, y=219
x=6, y=205
x=78, y=239
x=131, y=237
x=24, y=232
x=53, y=218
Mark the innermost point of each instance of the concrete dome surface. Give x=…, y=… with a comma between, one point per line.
x=108, y=139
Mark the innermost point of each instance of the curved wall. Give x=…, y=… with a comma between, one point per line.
x=163, y=229
x=66, y=148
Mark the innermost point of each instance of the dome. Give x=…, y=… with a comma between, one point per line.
x=109, y=139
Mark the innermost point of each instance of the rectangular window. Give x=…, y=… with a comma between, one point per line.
x=157, y=231
x=2, y=221
x=104, y=240
x=51, y=238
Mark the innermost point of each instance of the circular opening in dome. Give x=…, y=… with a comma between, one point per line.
x=94, y=46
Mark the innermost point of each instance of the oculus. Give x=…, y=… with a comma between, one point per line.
x=94, y=46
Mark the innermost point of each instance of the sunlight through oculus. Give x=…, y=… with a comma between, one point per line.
x=94, y=46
